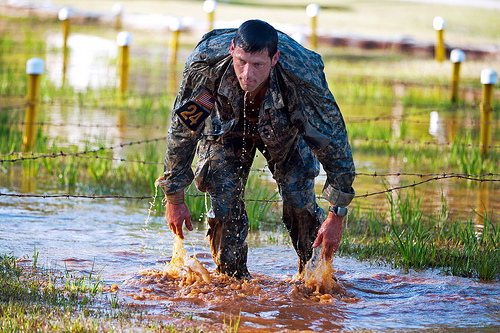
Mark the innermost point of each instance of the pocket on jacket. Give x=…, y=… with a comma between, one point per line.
x=203, y=171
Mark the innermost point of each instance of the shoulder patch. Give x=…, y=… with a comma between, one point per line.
x=206, y=100
x=192, y=115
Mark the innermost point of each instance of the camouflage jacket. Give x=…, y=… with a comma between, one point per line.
x=298, y=102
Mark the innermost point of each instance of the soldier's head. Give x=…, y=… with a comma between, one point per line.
x=254, y=36
x=254, y=50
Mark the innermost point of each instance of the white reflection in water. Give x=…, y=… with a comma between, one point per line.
x=79, y=136
x=434, y=124
x=87, y=62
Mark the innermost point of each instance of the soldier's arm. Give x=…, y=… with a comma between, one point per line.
x=323, y=129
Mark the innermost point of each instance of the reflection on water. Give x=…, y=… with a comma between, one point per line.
x=87, y=64
x=79, y=129
x=110, y=234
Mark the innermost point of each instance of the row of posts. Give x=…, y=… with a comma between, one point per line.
x=124, y=39
x=35, y=67
x=488, y=79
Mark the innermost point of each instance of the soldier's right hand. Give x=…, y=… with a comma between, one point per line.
x=176, y=216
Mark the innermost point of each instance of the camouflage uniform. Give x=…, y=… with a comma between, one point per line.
x=299, y=126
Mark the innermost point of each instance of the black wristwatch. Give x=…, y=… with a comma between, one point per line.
x=340, y=211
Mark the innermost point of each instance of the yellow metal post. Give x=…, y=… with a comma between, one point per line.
x=314, y=37
x=175, y=27
x=64, y=16
x=124, y=40
x=174, y=47
x=124, y=55
x=34, y=68
x=312, y=10
x=209, y=8
x=488, y=78
x=118, y=11
x=440, y=49
x=455, y=82
x=210, y=21
x=66, y=26
x=486, y=118
x=172, y=84
x=457, y=57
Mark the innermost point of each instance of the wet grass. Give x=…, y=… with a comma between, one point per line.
x=407, y=238
x=37, y=299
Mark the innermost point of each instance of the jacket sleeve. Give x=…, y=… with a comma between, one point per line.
x=314, y=111
x=182, y=141
x=204, y=67
x=323, y=129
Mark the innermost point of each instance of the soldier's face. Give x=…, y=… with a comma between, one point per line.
x=252, y=69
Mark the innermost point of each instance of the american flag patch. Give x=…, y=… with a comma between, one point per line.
x=206, y=100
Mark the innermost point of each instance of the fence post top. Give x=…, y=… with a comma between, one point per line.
x=457, y=55
x=35, y=66
x=64, y=14
x=175, y=24
x=439, y=23
x=117, y=8
x=489, y=76
x=124, y=38
x=312, y=10
x=209, y=6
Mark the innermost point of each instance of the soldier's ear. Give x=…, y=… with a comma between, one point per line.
x=275, y=58
x=231, y=49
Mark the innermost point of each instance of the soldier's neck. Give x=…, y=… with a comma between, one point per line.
x=257, y=96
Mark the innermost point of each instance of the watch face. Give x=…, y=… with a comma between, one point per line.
x=342, y=211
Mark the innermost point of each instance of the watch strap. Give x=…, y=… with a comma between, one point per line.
x=340, y=211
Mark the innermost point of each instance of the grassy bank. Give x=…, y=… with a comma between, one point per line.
x=405, y=237
x=37, y=299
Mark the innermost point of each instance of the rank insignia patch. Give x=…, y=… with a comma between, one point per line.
x=192, y=115
x=206, y=100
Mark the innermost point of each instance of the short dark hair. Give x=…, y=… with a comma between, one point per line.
x=255, y=35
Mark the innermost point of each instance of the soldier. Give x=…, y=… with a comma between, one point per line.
x=257, y=89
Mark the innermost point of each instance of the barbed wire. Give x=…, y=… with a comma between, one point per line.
x=83, y=152
x=68, y=196
x=22, y=123
x=425, y=143
x=467, y=122
x=349, y=120
x=466, y=177
x=263, y=170
x=13, y=107
x=115, y=107
x=422, y=175
x=33, y=156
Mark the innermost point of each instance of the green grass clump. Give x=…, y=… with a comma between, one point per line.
x=35, y=299
x=260, y=199
x=405, y=237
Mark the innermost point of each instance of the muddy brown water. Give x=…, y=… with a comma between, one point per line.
x=78, y=233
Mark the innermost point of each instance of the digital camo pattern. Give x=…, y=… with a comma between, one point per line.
x=298, y=102
x=223, y=170
x=299, y=124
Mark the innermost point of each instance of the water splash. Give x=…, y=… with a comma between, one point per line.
x=183, y=266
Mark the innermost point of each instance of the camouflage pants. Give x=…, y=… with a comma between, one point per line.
x=223, y=170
